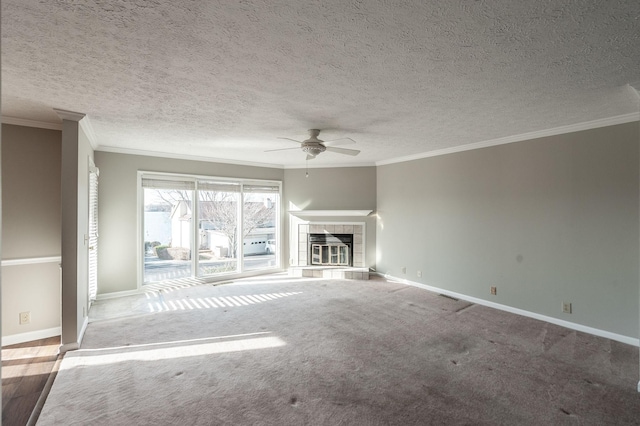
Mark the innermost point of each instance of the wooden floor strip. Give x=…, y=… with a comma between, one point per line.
x=26, y=372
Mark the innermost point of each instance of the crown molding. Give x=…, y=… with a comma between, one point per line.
x=64, y=115
x=69, y=115
x=31, y=123
x=85, y=125
x=128, y=151
x=588, y=125
x=83, y=120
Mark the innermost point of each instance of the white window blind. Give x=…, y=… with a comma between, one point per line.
x=218, y=186
x=263, y=189
x=152, y=183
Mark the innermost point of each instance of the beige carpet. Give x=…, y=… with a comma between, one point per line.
x=283, y=351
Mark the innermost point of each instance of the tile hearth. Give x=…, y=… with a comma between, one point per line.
x=333, y=272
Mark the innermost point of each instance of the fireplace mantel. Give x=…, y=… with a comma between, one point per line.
x=330, y=213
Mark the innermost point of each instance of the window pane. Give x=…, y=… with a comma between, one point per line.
x=325, y=254
x=344, y=255
x=167, y=233
x=334, y=254
x=260, y=236
x=217, y=229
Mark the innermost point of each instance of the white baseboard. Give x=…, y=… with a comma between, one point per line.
x=117, y=294
x=69, y=347
x=14, y=339
x=571, y=325
x=76, y=345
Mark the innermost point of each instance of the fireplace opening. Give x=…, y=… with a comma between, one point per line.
x=331, y=249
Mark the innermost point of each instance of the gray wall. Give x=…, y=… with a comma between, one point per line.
x=118, y=208
x=349, y=188
x=31, y=192
x=31, y=217
x=548, y=220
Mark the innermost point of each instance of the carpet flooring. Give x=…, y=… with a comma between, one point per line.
x=291, y=351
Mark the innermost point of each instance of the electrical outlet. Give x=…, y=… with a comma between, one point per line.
x=25, y=318
x=494, y=290
x=404, y=269
x=419, y=274
x=566, y=307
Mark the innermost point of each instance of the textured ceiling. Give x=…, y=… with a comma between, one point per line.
x=224, y=79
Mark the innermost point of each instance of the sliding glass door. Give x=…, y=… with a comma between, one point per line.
x=235, y=220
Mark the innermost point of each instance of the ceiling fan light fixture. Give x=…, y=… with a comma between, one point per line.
x=313, y=148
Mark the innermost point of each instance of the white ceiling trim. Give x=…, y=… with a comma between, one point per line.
x=85, y=124
x=31, y=123
x=604, y=122
x=145, y=153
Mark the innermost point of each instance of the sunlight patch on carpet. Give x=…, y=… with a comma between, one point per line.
x=167, y=350
x=158, y=303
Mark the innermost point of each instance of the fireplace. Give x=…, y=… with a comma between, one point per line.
x=332, y=235
x=330, y=249
x=334, y=250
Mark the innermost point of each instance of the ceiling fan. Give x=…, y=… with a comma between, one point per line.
x=314, y=146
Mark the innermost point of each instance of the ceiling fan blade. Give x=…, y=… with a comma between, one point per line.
x=341, y=141
x=310, y=157
x=343, y=150
x=281, y=149
x=289, y=139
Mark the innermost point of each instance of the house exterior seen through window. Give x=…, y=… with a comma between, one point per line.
x=199, y=227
